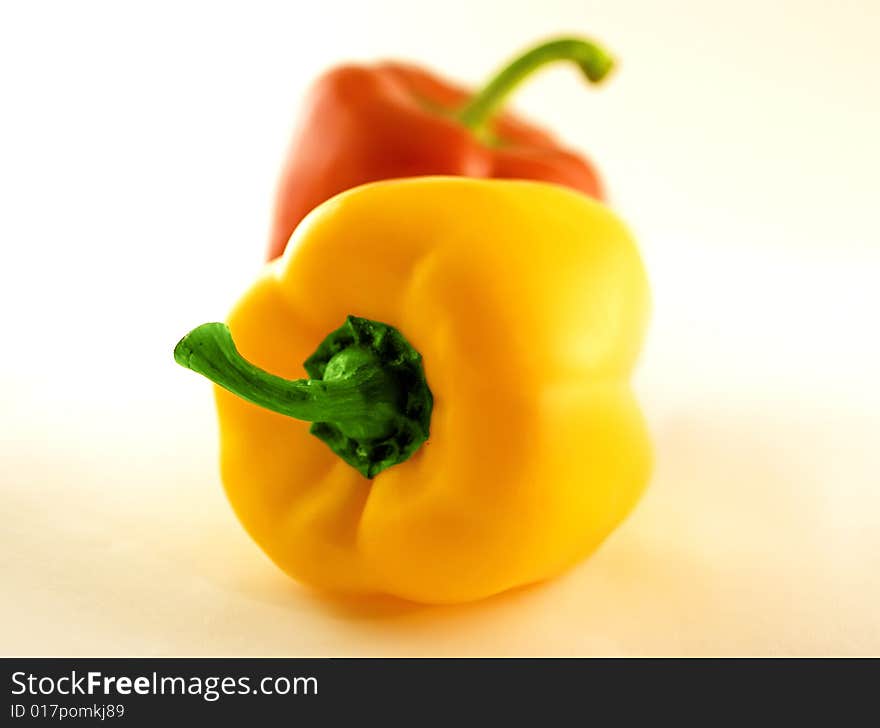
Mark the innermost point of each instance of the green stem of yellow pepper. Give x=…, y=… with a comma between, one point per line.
x=359, y=394
x=592, y=59
x=366, y=394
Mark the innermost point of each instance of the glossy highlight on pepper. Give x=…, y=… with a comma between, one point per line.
x=526, y=304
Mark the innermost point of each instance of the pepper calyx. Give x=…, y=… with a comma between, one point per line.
x=408, y=419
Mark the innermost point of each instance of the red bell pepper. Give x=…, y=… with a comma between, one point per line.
x=363, y=124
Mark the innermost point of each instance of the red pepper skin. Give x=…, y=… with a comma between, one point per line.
x=367, y=123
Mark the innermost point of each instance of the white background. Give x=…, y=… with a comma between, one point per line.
x=139, y=146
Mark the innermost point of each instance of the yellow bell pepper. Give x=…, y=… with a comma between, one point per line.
x=526, y=303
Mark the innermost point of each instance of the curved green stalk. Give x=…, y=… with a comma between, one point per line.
x=366, y=394
x=593, y=60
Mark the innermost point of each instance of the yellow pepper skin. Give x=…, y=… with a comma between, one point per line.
x=528, y=304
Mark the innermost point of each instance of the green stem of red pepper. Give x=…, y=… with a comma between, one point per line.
x=592, y=59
